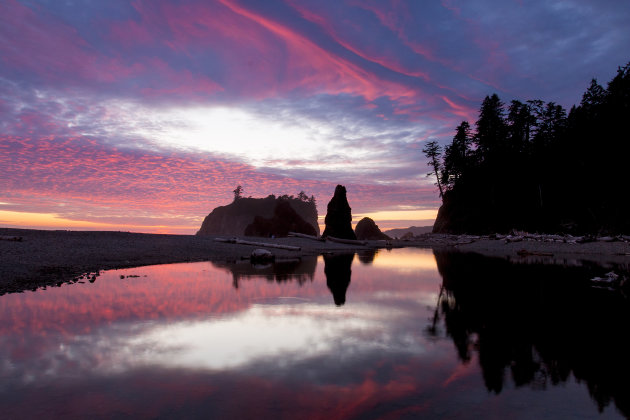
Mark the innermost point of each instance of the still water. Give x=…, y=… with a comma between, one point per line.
x=406, y=333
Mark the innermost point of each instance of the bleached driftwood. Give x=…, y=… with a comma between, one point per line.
x=303, y=235
x=346, y=241
x=11, y=238
x=263, y=244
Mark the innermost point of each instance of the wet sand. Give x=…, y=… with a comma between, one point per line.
x=44, y=258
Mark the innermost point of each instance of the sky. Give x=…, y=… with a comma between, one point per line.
x=143, y=116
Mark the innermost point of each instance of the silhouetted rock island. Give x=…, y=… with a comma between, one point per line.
x=234, y=218
x=285, y=219
x=339, y=216
x=367, y=229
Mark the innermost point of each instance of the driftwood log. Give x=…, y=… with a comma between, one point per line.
x=303, y=235
x=262, y=244
x=346, y=241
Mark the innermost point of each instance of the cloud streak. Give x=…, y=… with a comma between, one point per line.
x=151, y=112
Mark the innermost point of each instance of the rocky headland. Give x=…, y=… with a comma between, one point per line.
x=234, y=218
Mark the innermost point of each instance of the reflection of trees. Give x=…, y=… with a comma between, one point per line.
x=338, y=271
x=541, y=324
x=299, y=269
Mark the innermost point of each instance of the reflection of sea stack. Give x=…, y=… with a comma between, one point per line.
x=338, y=272
x=338, y=216
x=367, y=257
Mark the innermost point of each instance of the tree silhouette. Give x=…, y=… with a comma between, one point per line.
x=457, y=156
x=491, y=128
x=433, y=151
x=530, y=166
x=238, y=192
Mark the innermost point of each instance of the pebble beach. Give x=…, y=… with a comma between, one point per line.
x=30, y=259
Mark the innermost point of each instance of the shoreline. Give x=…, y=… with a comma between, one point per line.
x=47, y=258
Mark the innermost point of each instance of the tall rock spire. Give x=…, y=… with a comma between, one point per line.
x=338, y=216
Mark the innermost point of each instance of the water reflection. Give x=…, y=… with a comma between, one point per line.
x=301, y=270
x=338, y=272
x=541, y=325
x=210, y=340
x=367, y=257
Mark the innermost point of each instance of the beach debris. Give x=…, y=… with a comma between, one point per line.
x=606, y=239
x=513, y=238
x=261, y=244
x=305, y=236
x=261, y=256
x=611, y=281
x=346, y=241
x=11, y=238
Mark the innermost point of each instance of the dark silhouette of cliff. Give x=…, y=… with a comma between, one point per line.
x=284, y=220
x=531, y=166
x=536, y=325
x=234, y=218
x=367, y=229
x=339, y=216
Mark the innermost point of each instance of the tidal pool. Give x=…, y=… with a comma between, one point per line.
x=407, y=333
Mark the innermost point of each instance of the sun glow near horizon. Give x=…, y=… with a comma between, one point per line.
x=51, y=221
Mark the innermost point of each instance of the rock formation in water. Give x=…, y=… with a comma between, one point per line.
x=285, y=219
x=339, y=216
x=367, y=229
x=233, y=218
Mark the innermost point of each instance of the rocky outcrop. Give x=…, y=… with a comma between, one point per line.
x=284, y=220
x=233, y=218
x=339, y=216
x=414, y=230
x=367, y=229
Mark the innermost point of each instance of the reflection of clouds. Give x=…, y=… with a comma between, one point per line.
x=189, y=316
x=422, y=298
x=272, y=335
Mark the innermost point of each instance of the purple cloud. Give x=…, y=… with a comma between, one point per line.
x=115, y=102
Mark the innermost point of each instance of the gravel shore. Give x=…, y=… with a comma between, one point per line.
x=33, y=258
x=39, y=258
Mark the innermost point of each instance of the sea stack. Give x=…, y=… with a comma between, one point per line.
x=338, y=216
x=367, y=229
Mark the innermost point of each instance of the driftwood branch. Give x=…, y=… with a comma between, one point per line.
x=262, y=244
x=303, y=235
x=346, y=241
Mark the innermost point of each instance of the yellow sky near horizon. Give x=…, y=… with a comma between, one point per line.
x=28, y=220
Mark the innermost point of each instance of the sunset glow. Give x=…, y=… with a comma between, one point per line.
x=144, y=116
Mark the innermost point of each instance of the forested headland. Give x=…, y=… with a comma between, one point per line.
x=532, y=166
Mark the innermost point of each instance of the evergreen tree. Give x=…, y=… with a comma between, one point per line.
x=238, y=192
x=491, y=128
x=457, y=156
x=433, y=152
x=537, y=169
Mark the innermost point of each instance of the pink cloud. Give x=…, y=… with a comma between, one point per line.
x=98, y=183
